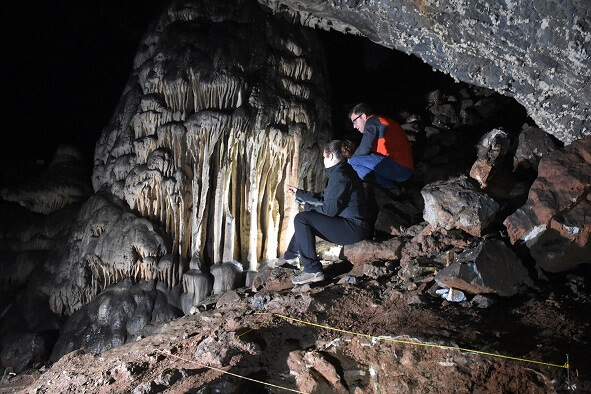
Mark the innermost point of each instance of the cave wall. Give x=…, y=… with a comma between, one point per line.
x=537, y=52
x=224, y=107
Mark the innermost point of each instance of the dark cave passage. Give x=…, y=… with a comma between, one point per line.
x=394, y=84
x=88, y=50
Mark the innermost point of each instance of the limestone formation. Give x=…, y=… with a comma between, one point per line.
x=117, y=315
x=457, y=203
x=227, y=276
x=105, y=244
x=554, y=222
x=537, y=52
x=224, y=107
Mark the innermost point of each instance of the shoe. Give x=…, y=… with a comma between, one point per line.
x=307, y=277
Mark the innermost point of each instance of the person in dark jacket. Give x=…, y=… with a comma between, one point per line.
x=339, y=214
x=384, y=149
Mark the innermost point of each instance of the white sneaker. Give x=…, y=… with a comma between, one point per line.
x=307, y=277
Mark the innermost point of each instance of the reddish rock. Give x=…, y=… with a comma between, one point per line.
x=365, y=252
x=429, y=242
x=554, y=221
x=314, y=373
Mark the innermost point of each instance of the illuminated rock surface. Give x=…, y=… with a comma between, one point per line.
x=223, y=109
x=537, y=52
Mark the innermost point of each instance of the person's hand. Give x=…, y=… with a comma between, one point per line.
x=291, y=189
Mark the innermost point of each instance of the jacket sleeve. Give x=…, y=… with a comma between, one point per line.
x=334, y=195
x=370, y=135
x=303, y=196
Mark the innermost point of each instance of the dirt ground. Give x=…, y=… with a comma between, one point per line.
x=347, y=335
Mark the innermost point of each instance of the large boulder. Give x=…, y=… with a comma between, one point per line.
x=554, y=222
x=532, y=144
x=491, y=267
x=458, y=203
x=24, y=350
x=365, y=252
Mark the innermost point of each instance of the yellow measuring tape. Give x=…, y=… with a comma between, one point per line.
x=382, y=338
x=565, y=365
x=227, y=372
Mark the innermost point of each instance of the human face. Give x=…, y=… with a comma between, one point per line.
x=358, y=121
x=329, y=159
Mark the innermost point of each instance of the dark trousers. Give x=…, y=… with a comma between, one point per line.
x=310, y=224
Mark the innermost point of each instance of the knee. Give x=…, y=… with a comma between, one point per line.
x=303, y=217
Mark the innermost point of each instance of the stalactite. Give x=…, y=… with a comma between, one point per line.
x=296, y=69
x=220, y=92
x=143, y=148
x=208, y=135
x=296, y=89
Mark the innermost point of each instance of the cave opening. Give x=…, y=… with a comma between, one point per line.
x=395, y=84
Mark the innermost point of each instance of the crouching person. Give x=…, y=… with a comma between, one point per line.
x=339, y=214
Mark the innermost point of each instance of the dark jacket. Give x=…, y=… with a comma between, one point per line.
x=343, y=196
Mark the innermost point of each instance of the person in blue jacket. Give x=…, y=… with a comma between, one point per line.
x=384, y=151
x=339, y=214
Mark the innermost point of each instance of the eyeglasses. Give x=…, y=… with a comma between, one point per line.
x=355, y=120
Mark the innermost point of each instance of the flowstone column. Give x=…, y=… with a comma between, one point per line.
x=224, y=108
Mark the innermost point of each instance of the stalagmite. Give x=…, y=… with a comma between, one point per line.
x=196, y=285
x=226, y=276
x=211, y=129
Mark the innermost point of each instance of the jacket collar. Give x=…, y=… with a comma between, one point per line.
x=332, y=169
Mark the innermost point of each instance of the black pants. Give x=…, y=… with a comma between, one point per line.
x=310, y=224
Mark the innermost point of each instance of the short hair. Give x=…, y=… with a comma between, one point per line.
x=361, y=108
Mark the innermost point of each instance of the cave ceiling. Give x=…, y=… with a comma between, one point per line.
x=536, y=52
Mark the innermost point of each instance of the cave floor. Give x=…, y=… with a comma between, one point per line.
x=347, y=334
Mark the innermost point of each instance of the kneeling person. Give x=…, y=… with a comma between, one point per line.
x=384, y=150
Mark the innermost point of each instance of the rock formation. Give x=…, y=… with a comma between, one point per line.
x=117, y=315
x=225, y=107
x=457, y=203
x=537, y=52
x=554, y=223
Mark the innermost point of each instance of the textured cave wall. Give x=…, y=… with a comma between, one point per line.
x=225, y=107
x=535, y=51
